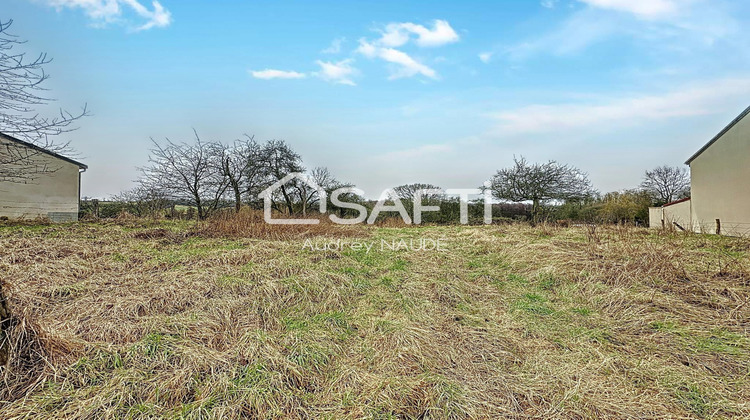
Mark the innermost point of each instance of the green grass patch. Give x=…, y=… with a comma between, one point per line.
x=693, y=399
x=532, y=303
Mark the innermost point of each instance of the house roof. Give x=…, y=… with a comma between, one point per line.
x=676, y=202
x=718, y=136
x=43, y=150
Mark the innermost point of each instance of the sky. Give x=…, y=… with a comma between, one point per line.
x=385, y=93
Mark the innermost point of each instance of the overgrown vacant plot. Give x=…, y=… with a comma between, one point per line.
x=145, y=320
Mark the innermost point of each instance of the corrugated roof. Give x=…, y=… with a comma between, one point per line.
x=43, y=150
x=718, y=136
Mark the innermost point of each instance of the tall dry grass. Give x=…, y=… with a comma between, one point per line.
x=180, y=320
x=249, y=223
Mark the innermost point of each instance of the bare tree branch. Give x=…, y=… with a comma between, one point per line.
x=540, y=183
x=666, y=184
x=21, y=93
x=279, y=160
x=188, y=172
x=241, y=163
x=409, y=191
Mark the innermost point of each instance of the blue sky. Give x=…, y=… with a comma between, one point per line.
x=384, y=93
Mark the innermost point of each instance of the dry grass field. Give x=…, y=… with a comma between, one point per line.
x=136, y=319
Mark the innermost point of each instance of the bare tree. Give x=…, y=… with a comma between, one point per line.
x=241, y=164
x=190, y=172
x=667, y=183
x=540, y=183
x=409, y=191
x=21, y=94
x=279, y=160
x=309, y=196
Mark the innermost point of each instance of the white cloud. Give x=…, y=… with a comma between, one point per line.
x=398, y=34
x=441, y=33
x=687, y=101
x=340, y=72
x=648, y=9
x=108, y=11
x=406, y=66
x=485, y=57
x=159, y=17
x=549, y=4
x=670, y=29
x=268, y=74
x=335, y=46
x=575, y=34
x=394, y=35
x=367, y=49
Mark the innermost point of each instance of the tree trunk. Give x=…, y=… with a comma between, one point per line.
x=288, y=200
x=237, y=199
x=534, y=212
x=199, y=206
x=4, y=327
x=304, y=204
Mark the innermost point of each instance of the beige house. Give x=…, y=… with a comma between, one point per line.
x=720, y=186
x=35, y=182
x=720, y=181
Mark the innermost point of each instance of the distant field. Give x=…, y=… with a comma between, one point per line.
x=143, y=320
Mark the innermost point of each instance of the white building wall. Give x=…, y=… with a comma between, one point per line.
x=52, y=195
x=679, y=213
x=667, y=216
x=720, y=178
x=655, y=217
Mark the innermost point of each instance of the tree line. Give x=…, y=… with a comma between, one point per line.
x=208, y=176
x=212, y=175
x=559, y=191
